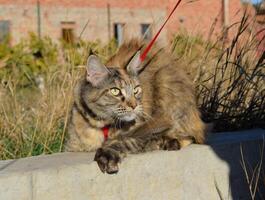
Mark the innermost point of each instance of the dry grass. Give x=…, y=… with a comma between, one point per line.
x=33, y=118
x=230, y=79
x=33, y=122
x=254, y=176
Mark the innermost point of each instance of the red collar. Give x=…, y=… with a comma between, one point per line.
x=105, y=131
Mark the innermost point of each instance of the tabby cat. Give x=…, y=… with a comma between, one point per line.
x=145, y=106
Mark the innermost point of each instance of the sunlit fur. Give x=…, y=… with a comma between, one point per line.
x=159, y=99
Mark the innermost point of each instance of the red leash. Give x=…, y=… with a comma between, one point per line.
x=105, y=129
x=147, y=49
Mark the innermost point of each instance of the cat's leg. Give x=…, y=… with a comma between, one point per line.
x=176, y=139
x=137, y=141
x=173, y=144
x=162, y=143
x=170, y=144
x=113, y=151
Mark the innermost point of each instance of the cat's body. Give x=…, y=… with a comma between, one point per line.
x=155, y=106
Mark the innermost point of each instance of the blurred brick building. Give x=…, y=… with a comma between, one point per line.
x=105, y=19
x=260, y=17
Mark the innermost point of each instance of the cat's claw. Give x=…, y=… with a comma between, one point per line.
x=107, y=160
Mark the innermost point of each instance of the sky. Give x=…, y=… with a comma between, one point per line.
x=256, y=1
x=253, y=1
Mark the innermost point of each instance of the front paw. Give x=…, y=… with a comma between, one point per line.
x=107, y=160
x=171, y=145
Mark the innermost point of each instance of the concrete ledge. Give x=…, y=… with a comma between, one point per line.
x=207, y=172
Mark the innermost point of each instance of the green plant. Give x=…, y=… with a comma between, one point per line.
x=27, y=60
x=33, y=122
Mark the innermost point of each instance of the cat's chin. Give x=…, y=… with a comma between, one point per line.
x=128, y=118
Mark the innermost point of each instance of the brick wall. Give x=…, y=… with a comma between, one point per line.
x=23, y=17
x=93, y=3
x=199, y=17
x=195, y=18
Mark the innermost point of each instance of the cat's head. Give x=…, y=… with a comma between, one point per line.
x=114, y=92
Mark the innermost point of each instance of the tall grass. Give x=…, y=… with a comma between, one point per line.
x=255, y=176
x=229, y=77
x=38, y=76
x=33, y=117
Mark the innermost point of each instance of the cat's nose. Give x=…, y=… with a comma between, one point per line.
x=132, y=104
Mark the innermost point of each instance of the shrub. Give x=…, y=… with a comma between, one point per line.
x=229, y=77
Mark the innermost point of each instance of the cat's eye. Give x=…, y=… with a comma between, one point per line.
x=115, y=91
x=137, y=90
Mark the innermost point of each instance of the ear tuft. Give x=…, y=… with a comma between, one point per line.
x=97, y=73
x=134, y=66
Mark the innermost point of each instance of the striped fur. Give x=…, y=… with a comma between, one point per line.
x=166, y=115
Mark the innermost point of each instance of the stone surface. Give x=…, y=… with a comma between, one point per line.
x=211, y=171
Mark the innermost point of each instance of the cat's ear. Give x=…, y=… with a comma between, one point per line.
x=134, y=66
x=97, y=73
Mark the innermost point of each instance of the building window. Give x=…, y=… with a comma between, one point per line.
x=4, y=30
x=146, y=31
x=68, y=32
x=119, y=33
